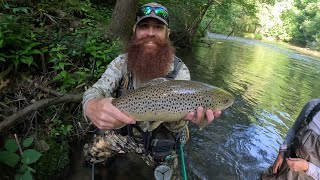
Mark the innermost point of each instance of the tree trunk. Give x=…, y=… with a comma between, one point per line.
x=233, y=29
x=123, y=19
x=197, y=22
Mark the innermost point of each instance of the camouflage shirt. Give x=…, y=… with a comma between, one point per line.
x=110, y=81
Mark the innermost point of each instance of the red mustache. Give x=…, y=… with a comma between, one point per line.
x=144, y=40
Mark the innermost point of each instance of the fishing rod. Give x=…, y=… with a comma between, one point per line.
x=183, y=165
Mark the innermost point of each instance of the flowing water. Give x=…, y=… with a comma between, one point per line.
x=271, y=85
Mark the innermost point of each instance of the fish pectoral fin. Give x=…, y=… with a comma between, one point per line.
x=203, y=123
x=154, y=125
x=153, y=82
x=144, y=125
x=149, y=125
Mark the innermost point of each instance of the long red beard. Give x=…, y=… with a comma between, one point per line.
x=148, y=63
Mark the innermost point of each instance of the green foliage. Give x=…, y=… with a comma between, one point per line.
x=69, y=35
x=302, y=23
x=57, y=128
x=10, y=157
x=54, y=144
x=85, y=52
x=27, y=142
x=295, y=21
x=290, y=27
x=185, y=17
x=67, y=40
x=53, y=160
x=61, y=63
x=231, y=17
x=17, y=40
x=258, y=36
x=11, y=145
x=309, y=19
x=82, y=55
x=30, y=156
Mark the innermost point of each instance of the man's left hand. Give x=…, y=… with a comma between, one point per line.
x=201, y=113
x=297, y=164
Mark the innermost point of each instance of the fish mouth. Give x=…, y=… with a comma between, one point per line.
x=229, y=102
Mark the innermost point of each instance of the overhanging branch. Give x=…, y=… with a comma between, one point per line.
x=16, y=117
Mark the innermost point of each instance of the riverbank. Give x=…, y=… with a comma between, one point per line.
x=272, y=43
x=305, y=51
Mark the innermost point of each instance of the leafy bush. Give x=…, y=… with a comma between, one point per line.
x=53, y=160
x=66, y=42
x=48, y=38
x=12, y=158
x=18, y=41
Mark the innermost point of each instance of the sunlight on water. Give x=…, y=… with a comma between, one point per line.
x=271, y=85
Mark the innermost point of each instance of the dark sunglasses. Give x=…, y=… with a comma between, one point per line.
x=159, y=11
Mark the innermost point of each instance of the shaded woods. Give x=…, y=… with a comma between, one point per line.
x=51, y=51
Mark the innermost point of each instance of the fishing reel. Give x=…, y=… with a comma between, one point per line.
x=163, y=172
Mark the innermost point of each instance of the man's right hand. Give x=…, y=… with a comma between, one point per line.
x=278, y=162
x=104, y=115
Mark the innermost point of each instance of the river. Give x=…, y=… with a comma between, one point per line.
x=271, y=85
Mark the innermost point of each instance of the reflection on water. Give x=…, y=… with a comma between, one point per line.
x=271, y=85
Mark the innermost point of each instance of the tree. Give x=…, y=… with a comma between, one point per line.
x=123, y=18
x=303, y=23
x=185, y=18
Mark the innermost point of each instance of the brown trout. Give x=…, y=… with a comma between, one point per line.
x=166, y=101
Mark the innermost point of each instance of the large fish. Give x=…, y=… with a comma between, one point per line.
x=167, y=101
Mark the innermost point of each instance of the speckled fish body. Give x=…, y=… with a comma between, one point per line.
x=172, y=100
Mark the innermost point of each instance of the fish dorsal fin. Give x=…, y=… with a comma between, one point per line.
x=153, y=82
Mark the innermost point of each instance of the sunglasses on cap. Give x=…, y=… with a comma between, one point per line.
x=159, y=11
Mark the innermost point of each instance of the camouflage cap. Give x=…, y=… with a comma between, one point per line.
x=164, y=18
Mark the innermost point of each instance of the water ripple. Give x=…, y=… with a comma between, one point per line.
x=271, y=85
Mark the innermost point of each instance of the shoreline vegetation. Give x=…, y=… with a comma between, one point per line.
x=301, y=50
x=305, y=51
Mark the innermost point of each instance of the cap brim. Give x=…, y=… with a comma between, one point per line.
x=152, y=16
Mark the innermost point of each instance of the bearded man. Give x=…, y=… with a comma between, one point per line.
x=149, y=55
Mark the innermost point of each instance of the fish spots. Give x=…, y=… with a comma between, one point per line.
x=172, y=99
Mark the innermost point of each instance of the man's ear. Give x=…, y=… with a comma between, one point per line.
x=168, y=32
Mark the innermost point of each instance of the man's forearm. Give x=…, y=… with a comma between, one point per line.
x=108, y=82
x=313, y=171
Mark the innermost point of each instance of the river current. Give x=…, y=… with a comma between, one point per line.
x=271, y=85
